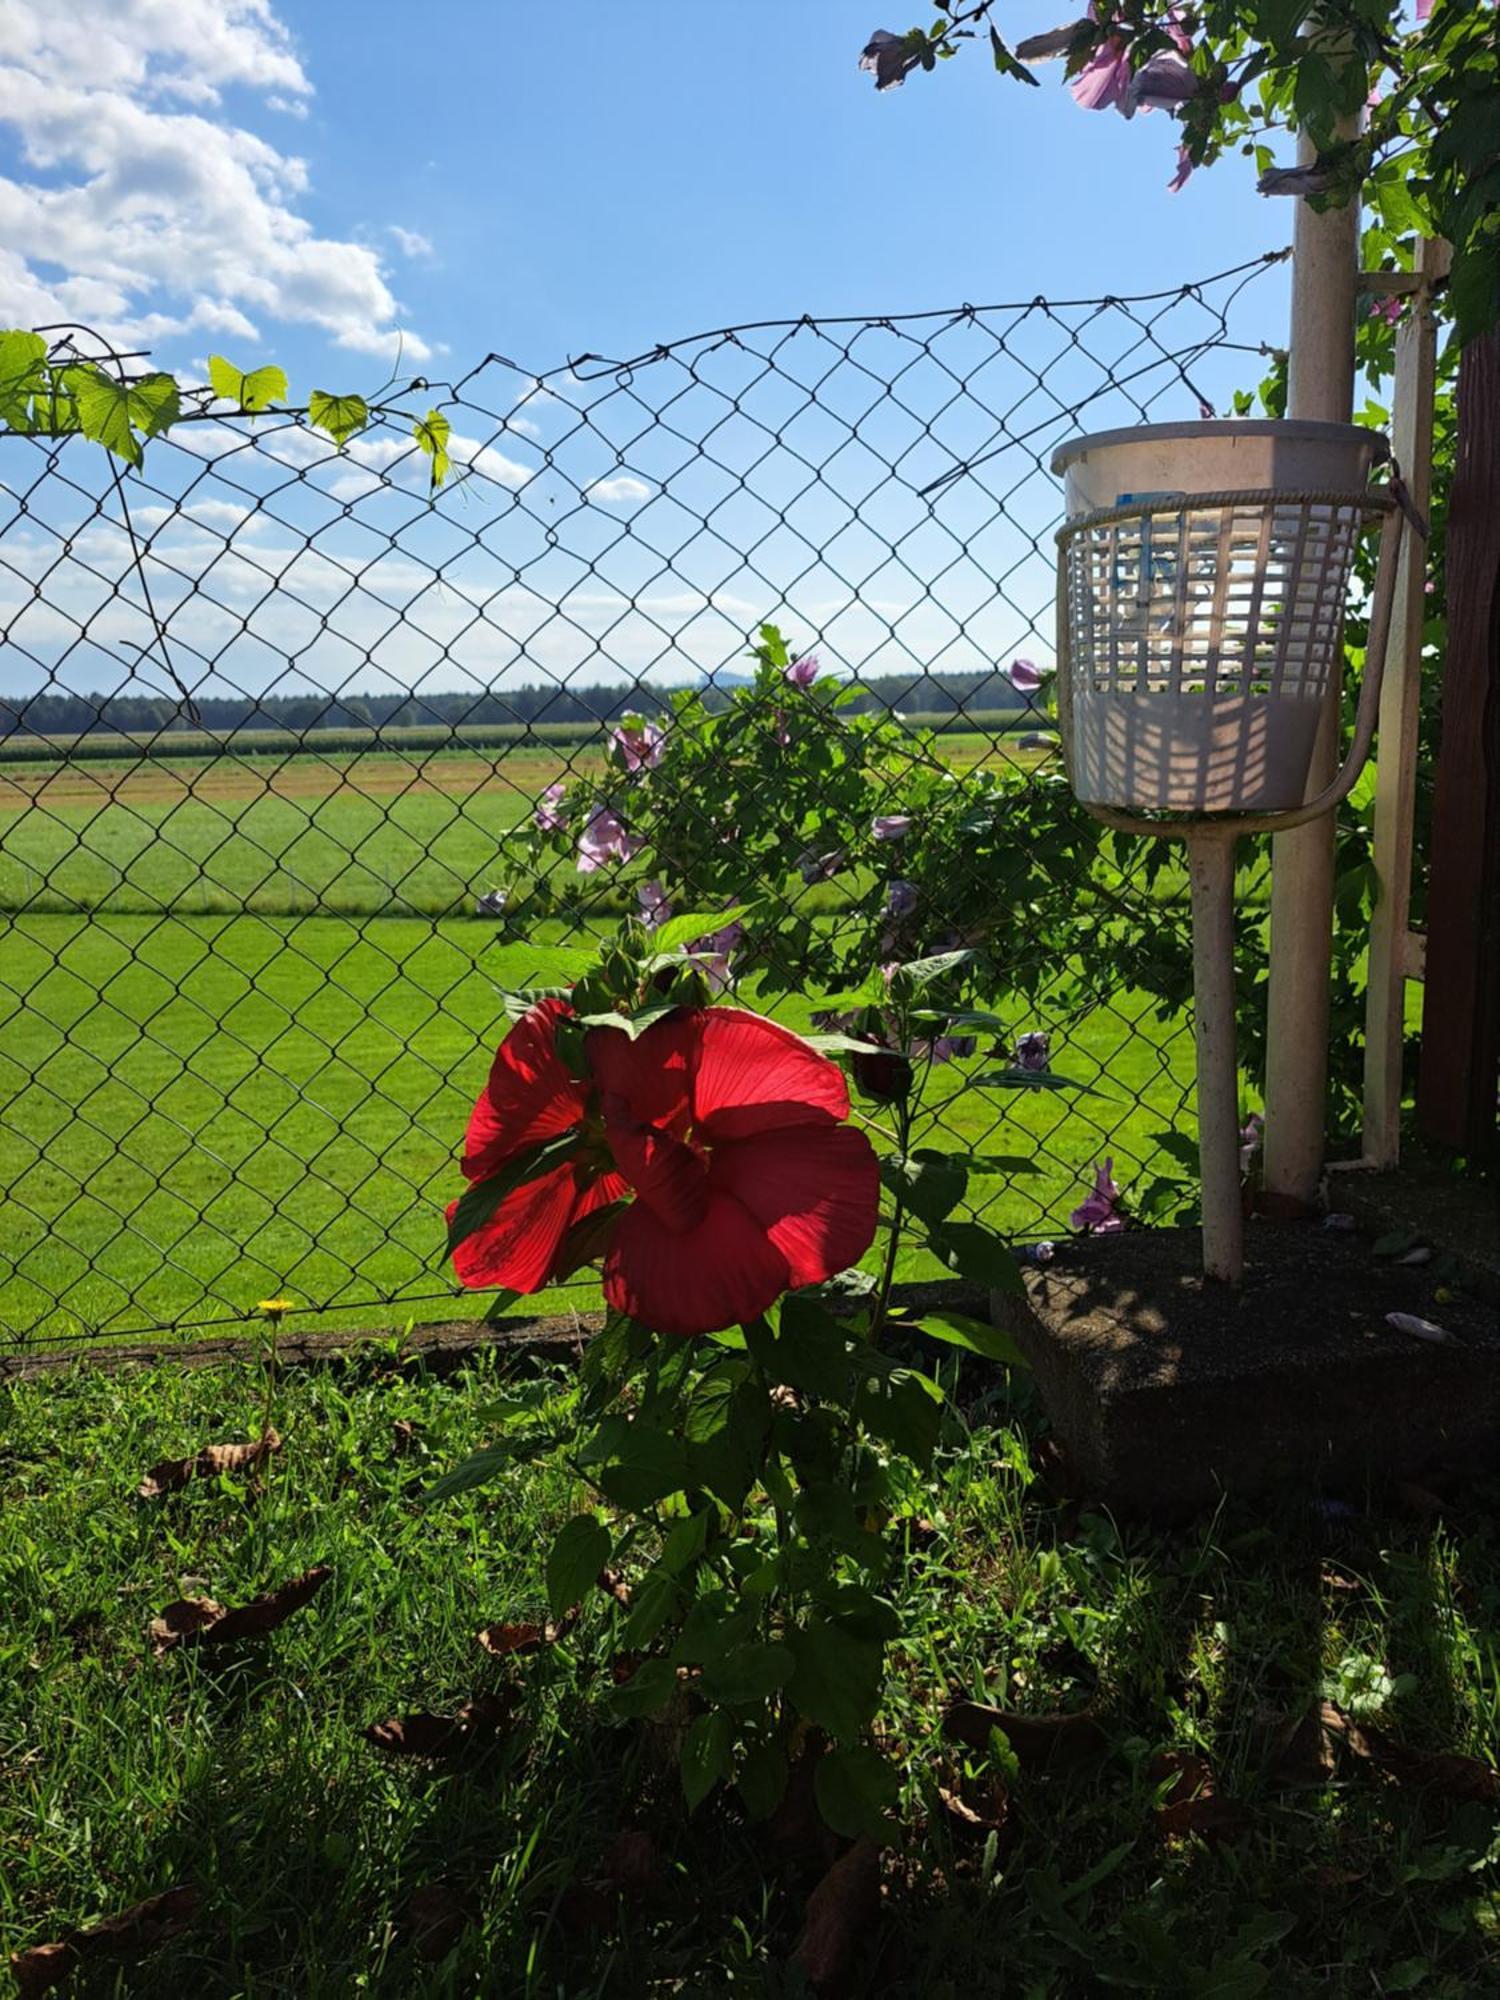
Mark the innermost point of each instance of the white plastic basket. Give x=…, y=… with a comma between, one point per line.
x=1204, y=569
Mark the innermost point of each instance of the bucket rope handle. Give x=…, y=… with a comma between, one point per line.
x=1377, y=500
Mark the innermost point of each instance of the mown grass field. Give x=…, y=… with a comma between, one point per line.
x=244, y=1010
x=326, y=1868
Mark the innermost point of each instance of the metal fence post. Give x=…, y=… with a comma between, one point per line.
x=1392, y=948
x=1320, y=385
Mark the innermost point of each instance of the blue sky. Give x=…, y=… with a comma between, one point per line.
x=324, y=185
x=593, y=175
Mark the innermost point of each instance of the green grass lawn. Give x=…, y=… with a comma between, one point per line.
x=244, y=1010
x=246, y=1772
x=205, y=1112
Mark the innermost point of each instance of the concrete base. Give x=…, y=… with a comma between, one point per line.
x=1165, y=1389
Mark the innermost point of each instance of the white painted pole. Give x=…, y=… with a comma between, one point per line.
x=1400, y=702
x=1210, y=856
x=1325, y=274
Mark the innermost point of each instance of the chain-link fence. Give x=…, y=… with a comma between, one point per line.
x=300, y=761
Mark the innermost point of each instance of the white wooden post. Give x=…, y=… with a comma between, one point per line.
x=1210, y=854
x=1390, y=963
x=1320, y=384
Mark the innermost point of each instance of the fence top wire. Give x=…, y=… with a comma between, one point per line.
x=283, y=1116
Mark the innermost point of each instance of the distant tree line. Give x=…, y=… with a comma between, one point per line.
x=304, y=714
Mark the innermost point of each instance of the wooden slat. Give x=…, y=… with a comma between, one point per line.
x=1461, y=997
x=1400, y=706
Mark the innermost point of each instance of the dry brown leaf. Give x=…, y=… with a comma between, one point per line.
x=633, y=1863
x=797, y=1826
x=1447, y=1772
x=1420, y=1502
x=182, y=1619
x=403, y=1440
x=841, y=1912
x=1193, y=1805
x=139, y=1929
x=1329, y=1877
x=588, y=1906
x=437, y=1915
x=985, y=1809
x=615, y=1586
x=1300, y=1751
x=1039, y=1741
x=1335, y=1579
x=203, y=1622
x=475, y=1725
x=502, y=1640
x=175, y=1473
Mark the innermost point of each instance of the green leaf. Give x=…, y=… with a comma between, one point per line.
x=684, y=1542
x=1008, y=65
x=678, y=931
x=974, y=1336
x=761, y=1780
x=253, y=392
x=475, y=1207
x=575, y=1560
x=748, y=1673
x=976, y=1253
x=1016, y=1078
x=341, y=416
x=432, y=433
x=929, y=1183
x=482, y=1466
x=649, y=1688
x=631, y=1025
x=706, y=1756
x=653, y=1603
x=855, y=1789
x=726, y=1426
x=810, y=1352
x=638, y=1463
x=836, y=1680
x=23, y=358
x=111, y=412
x=906, y=1409
x=920, y=972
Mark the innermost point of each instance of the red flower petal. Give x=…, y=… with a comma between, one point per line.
x=649, y=1074
x=662, y=1170
x=694, y=1281
x=751, y=1075
x=814, y=1190
x=519, y=1244
x=529, y=1096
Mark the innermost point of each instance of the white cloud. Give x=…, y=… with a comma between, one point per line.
x=623, y=488
x=162, y=214
x=410, y=242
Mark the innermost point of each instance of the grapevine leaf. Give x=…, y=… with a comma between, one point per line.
x=111, y=412
x=253, y=392
x=432, y=433
x=341, y=416
x=22, y=359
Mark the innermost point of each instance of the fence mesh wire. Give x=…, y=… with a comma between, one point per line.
x=271, y=712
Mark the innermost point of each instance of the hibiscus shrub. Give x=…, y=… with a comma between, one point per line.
x=833, y=842
x=752, y=1423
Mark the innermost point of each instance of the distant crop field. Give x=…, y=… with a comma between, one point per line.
x=349, y=833
x=114, y=745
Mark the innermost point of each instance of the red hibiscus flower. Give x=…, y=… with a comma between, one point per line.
x=728, y=1131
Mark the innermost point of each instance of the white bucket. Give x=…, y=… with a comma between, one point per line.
x=1199, y=637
